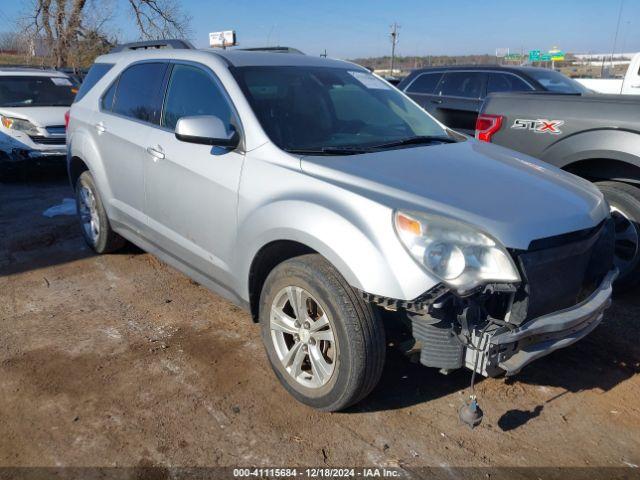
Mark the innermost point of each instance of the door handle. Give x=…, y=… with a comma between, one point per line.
x=156, y=152
x=637, y=85
x=100, y=128
x=437, y=102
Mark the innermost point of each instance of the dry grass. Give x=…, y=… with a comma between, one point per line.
x=17, y=59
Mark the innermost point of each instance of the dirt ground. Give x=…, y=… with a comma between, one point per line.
x=119, y=360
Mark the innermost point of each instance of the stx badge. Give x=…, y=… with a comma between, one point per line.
x=542, y=125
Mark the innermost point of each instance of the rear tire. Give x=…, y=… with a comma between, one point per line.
x=94, y=223
x=352, y=341
x=624, y=200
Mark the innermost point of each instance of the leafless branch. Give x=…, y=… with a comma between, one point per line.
x=73, y=30
x=160, y=18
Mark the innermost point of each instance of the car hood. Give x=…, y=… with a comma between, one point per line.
x=40, y=116
x=513, y=197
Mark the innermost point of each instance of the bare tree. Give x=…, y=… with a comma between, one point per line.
x=160, y=19
x=72, y=28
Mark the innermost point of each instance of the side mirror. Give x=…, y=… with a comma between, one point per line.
x=206, y=130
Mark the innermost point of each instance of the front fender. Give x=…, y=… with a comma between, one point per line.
x=366, y=253
x=609, y=143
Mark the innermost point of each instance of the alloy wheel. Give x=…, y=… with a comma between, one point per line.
x=89, y=217
x=303, y=337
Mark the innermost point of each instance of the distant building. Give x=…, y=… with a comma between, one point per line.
x=603, y=56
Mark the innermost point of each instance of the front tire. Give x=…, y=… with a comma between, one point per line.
x=94, y=223
x=325, y=344
x=624, y=201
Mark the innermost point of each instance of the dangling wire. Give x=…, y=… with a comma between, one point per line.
x=479, y=351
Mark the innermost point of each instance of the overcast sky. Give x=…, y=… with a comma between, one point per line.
x=354, y=28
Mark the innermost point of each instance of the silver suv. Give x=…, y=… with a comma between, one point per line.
x=324, y=200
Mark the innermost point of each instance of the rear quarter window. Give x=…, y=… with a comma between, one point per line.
x=108, y=97
x=424, y=83
x=96, y=72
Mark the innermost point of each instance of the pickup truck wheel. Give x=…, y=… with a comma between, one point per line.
x=325, y=344
x=94, y=222
x=624, y=200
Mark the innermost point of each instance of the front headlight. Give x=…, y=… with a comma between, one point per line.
x=19, y=124
x=459, y=255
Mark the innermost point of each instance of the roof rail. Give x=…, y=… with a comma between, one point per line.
x=172, y=43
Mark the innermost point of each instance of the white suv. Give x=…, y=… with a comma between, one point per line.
x=33, y=104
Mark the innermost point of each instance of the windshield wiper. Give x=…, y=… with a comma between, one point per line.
x=355, y=150
x=330, y=151
x=417, y=140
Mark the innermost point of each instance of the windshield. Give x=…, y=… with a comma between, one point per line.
x=324, y=108
x=556, y=82
x=36, y=91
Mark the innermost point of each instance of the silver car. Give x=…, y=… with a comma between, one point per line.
x=322, y=199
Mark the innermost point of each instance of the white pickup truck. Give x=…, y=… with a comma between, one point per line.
x=629, y=85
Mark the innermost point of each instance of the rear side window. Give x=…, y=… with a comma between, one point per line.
x=461, y=84
x=138, y=94
x=192, y=91
x=96, y=72
x=425, y=83
x=107, y=98
x=505, y=82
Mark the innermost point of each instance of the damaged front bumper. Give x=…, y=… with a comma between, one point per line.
x=29, y=150
x=511, y=350
x=16, y=155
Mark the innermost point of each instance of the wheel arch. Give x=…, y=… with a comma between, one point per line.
x=602, y=154
x=269, y=257
x=369, y=257
x=598, y=169
x=75, y=168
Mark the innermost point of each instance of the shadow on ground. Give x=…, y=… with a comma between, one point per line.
x=29, y=240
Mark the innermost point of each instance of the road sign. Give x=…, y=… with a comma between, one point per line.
x=556, y=54
x=513, y=56
x=545, y=57
x=502, y=52
x=222, y=39
x=534, y=55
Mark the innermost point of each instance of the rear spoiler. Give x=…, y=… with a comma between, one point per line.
x=173, y=43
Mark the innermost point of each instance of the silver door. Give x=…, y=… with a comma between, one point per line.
x=192, y=189
x=120, y=142
x=121, y=129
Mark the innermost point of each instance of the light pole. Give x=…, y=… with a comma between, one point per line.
x=394, y=40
